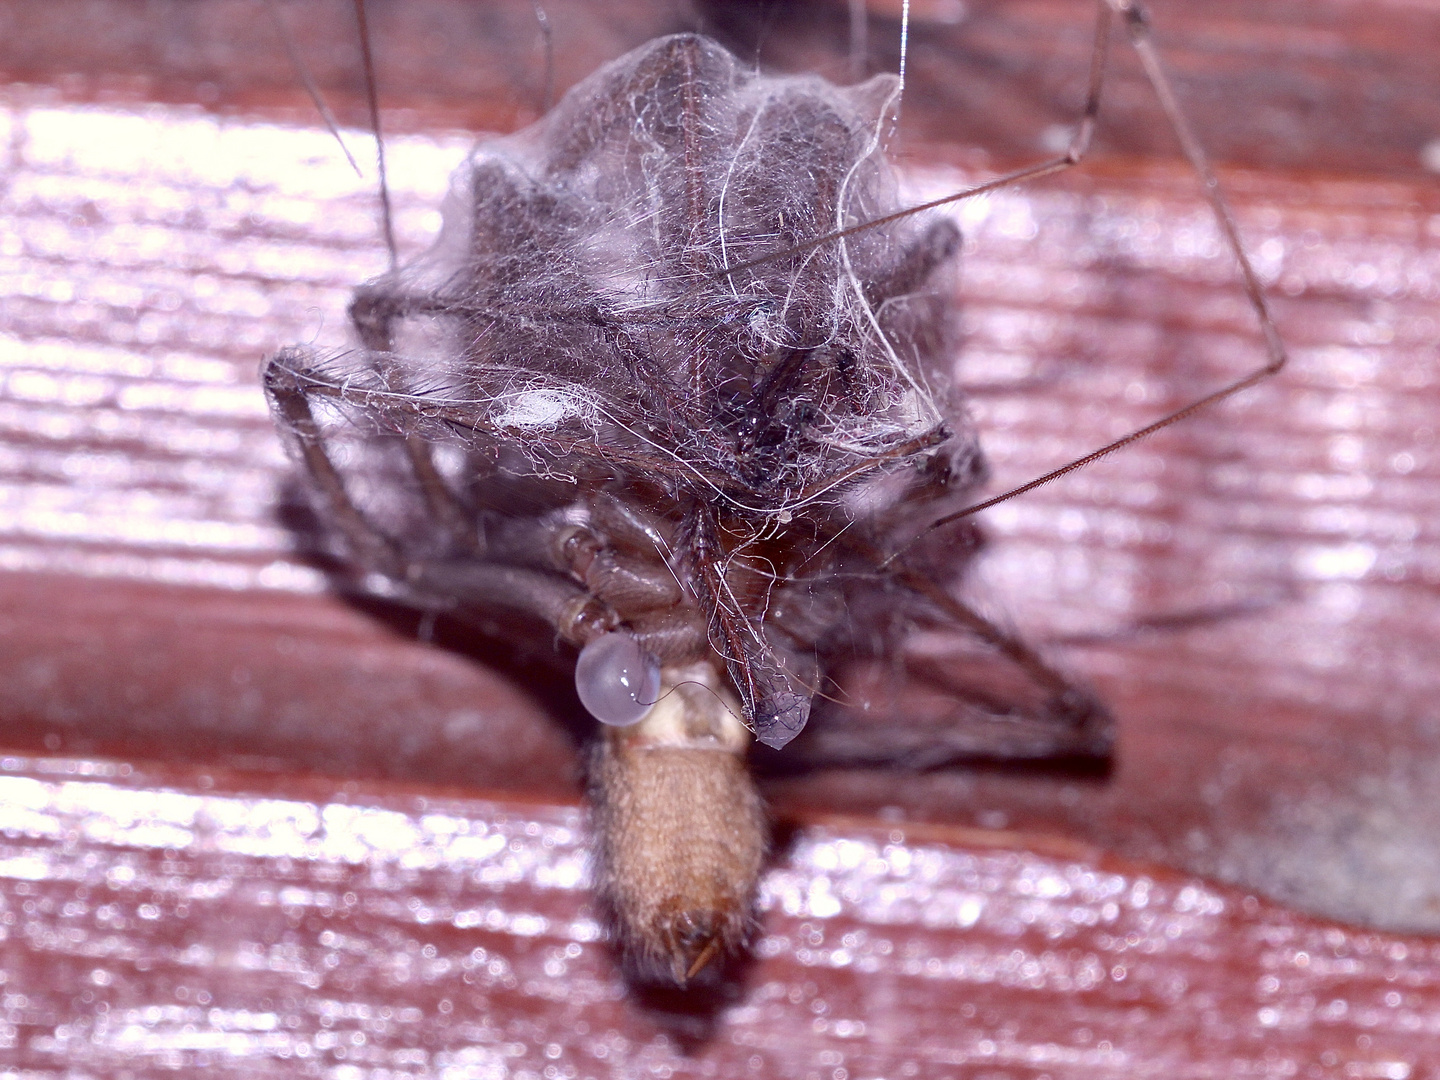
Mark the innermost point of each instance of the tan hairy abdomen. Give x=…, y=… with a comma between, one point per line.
x=680, y=839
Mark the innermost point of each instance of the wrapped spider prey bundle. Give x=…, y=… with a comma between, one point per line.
x=621, y=398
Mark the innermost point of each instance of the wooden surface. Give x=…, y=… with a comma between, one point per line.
x=164, y=923
x=1254, y=593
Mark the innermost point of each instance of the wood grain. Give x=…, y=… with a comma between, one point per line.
x=162, y=923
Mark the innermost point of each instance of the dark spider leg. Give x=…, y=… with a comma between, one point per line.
x=626, y=583
x=1139, y=31
x=627, y=526
x=935, y=247
x=1072, y=707
x=1075, y=721
x=373, y=317
x=630, y=571
x=427, y=583
x=1020, y=733
x=967, y=732
x=471, y=584
x=458, y=520
x=368, y=546
x=669, y=638
x=775, y=699
x=491, y=305
x=643, y=592
x=1001, y=701
x=410, y=412
x=779, y=378
x=377, y=305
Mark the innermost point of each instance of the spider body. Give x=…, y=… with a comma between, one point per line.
x=627, y=394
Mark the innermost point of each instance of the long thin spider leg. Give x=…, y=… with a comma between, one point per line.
x=1142, y=40
x=468, y=585
x=308, y=81
x=1074, y=154
x=1012, y=648
x=372, y=101
x=440, y=499
x=1138, y=28
x=1063, y=720
x=547, y=40
x=992, y=720
x=373, y=320
x=368, y=544
x=431, y=584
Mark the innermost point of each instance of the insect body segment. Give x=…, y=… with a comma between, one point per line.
x=680, y=827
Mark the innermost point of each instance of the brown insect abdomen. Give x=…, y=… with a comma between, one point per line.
x=680, y=829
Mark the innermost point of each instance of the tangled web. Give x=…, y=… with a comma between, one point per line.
x=645, y=292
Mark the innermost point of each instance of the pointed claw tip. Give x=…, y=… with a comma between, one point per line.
x=705, y=956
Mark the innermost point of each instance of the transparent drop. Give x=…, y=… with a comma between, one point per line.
x=616, y=679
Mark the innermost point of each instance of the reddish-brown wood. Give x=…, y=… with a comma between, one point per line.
x=1254, y=593
x=160, y=923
